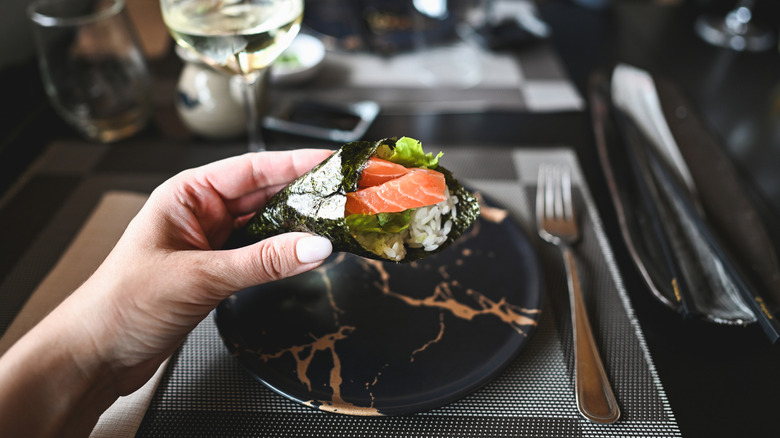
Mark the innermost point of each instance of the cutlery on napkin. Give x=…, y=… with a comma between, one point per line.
x=693, y=259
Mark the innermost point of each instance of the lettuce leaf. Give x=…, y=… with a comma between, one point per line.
x=390, y=223
x=408, y=152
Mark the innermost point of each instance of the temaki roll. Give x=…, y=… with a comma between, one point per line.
x=386, y=200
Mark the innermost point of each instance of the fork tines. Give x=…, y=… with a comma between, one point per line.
x=554, y=195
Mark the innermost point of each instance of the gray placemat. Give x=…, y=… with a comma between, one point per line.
x=205, y=392
x=549, y=93
x=51, y=200
x=459, y=77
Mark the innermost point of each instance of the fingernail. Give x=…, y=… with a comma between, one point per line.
x=313, y=249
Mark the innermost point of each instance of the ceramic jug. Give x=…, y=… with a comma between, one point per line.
x=209, y=102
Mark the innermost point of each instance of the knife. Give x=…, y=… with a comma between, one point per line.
x=704, y=198
x=649, y=254
x=668, y=232
x=732, y=217
x=731, y=274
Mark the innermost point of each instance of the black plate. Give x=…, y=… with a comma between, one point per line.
x=364, y=337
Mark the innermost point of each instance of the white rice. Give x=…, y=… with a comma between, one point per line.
x=428, y=229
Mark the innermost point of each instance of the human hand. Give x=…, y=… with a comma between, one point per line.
x=167, y=272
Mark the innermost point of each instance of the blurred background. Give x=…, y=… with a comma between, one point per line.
x=738, y=93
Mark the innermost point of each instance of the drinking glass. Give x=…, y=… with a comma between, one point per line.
x=736, y=30
x=92, y=65
x=442, y=32
x=238, y=37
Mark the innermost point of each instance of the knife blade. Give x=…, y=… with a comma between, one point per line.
x=699, y=185
x=729, y=273
x=732, y=217
x=667, y=230
x=639, y=236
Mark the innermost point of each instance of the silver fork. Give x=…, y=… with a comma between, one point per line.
x=557, y=224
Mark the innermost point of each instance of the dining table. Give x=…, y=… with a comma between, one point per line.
x=65, y=200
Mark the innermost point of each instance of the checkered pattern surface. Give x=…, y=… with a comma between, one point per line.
x=529, y=80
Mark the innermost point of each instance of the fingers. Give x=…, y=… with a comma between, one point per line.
x=271, y=259
x=313, y=249
x=251, y=202
x=238, y=176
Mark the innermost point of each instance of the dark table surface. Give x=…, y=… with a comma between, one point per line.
x=720, y=381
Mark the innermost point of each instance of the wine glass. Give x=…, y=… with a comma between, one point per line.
x=736, y=30
x=441, y=32
x=238, y=37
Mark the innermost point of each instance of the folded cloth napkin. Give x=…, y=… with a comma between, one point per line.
x=89, y=248
x=697, y=261
x=123, y=418
x=704, y=286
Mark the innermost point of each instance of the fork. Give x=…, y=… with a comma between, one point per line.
x=557, y=224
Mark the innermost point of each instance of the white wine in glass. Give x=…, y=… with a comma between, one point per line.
x=238, y=37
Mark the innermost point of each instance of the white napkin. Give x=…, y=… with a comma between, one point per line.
x=123, y=418
x=634, y=92
x=713, y=287
x=89, y=248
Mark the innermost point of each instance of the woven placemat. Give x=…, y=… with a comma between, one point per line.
x=205, y=392
x=459, y=75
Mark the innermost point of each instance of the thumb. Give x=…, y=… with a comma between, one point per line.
x=272, y=259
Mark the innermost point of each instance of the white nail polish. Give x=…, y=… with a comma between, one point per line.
x=313, y=249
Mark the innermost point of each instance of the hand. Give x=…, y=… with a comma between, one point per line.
x=167, y=272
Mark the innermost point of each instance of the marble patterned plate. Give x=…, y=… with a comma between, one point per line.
x=365, y=337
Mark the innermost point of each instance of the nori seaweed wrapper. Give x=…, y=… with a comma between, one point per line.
x=316, y=200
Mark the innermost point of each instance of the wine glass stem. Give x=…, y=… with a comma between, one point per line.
x=253, y=121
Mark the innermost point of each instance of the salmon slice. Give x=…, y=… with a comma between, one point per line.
x=379, y=171
x=416, y=188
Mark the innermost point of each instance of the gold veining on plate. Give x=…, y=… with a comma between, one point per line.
x=303, y=355
x=324, y=273
x=448, y=295
x=343, y=408
x=438, y=338
x=491, y=214
x=443, y=298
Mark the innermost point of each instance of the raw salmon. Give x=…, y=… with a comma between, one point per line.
x=379, y=171
x=416, y=188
